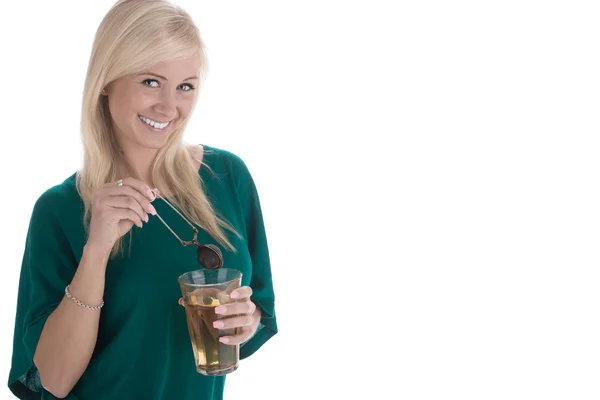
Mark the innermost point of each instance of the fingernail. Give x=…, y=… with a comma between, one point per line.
x=218, y=324
x=151, y=209
x=221, y=310
x=224, y=340
x=151, y=195
x=234, y=295
x=146, y=217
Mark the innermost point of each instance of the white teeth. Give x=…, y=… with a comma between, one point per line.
x=154, y=124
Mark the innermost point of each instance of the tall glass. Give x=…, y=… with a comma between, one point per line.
x=202, y=291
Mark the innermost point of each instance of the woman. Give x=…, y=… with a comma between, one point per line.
x=97, y=313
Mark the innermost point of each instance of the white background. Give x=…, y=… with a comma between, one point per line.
x=428, y=173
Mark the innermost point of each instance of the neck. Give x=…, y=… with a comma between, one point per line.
x=137, y=163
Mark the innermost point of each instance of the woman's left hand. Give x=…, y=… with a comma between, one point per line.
x=242, y=314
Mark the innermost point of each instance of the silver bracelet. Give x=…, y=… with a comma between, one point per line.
x=79, y=303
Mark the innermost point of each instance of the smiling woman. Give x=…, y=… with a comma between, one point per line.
x=95, y=322
x=141, y=106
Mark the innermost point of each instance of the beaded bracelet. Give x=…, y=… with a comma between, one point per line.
x=79, y=303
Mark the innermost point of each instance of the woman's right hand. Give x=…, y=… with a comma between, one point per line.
x=115, y=209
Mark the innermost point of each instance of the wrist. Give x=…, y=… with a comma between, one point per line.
x=96, y=253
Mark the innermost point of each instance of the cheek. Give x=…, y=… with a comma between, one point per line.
x=129, y=102
x=121, y=107
x=139, y=102
x=186, y=108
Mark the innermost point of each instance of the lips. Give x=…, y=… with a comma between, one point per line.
x=153, y=123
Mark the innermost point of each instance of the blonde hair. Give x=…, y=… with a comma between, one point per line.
x=134, y=35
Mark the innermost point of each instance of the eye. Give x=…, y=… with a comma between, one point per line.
x=188, y=86
x=150, y=80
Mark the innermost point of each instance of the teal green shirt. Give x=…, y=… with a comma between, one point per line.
x=143, y=350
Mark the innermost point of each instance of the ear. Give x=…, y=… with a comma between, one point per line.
x=105, y=90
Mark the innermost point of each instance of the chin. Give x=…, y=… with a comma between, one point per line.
x=153, y=138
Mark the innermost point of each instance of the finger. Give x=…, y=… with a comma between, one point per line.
x=243, y=292
x=237, y=308
x=245, y=334
x=233, y=322
x=124, y=213
x=143, y=200
x=156, y=193
x=135, y=184
x=127, y=202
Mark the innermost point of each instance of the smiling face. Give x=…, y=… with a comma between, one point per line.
x=147, y=107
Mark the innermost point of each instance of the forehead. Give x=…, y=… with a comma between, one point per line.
x=176, y=69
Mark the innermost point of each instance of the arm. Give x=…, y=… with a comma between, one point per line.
x=261, y=282
x=59, y=336
x=69, y=334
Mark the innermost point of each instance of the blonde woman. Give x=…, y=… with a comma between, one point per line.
x=98, y=314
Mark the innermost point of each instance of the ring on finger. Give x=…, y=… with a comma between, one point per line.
x=120, y=182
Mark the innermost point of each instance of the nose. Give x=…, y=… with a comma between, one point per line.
x=166, y=105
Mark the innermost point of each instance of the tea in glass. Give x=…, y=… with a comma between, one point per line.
x=202, y=292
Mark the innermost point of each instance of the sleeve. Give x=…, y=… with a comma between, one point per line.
x=261, y=281
x=48, y=266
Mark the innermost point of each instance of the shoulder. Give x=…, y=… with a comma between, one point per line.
x=60, y=197
x=214, y=155
x=196, y=151
x=225, y=160
x=57, y=219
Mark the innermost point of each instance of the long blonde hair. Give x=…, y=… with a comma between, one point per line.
x=134, y=35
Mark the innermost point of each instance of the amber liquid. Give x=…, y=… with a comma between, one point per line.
x=212, y=357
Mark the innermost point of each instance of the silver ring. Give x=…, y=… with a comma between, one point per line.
x=120, y=182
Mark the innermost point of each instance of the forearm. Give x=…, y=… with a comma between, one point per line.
x=69, y=335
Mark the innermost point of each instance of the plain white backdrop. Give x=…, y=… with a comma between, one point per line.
x=428, y=173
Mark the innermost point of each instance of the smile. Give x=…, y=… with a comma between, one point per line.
x=154, y=124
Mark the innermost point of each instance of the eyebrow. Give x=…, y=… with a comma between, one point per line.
x=162, y=77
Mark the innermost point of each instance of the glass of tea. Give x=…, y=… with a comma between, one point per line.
x=202, y=291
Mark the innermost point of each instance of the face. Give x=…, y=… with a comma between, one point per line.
x=147, y=107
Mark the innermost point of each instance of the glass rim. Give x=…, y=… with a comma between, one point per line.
x=238, y=275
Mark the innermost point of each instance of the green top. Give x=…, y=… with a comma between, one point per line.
x=143, y=349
